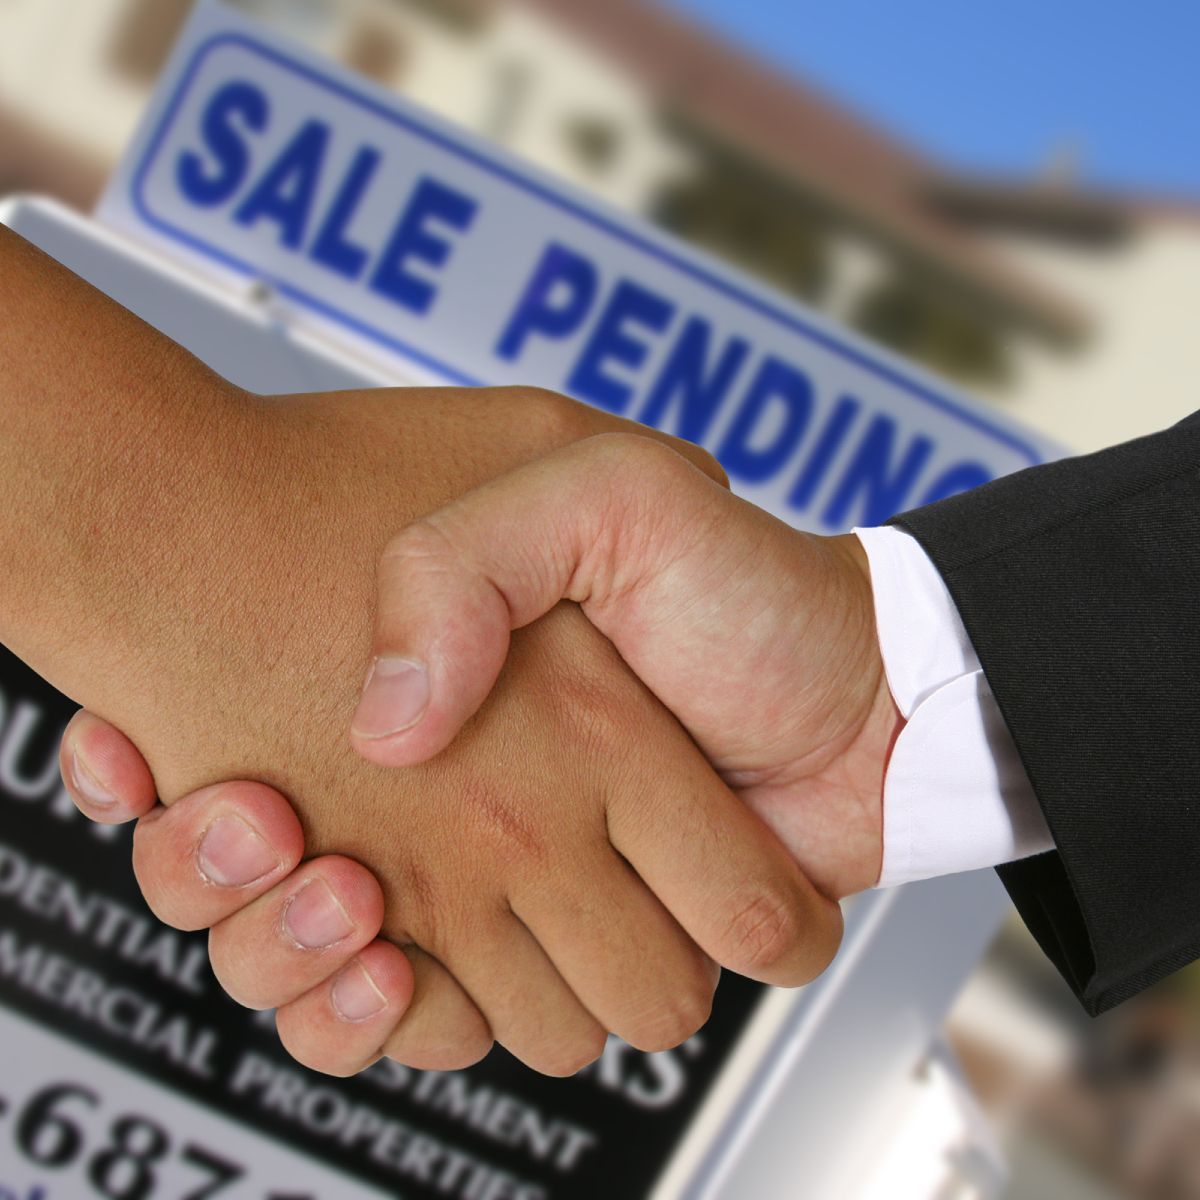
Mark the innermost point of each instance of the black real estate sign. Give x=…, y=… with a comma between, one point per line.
x=81, y=954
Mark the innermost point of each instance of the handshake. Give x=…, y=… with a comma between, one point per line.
x=619, y=727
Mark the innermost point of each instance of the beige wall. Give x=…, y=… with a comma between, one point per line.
x=56, y=71
x=1140, y=369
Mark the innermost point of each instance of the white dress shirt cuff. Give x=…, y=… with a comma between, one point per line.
x=955, y=796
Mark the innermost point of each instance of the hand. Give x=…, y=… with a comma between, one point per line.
x=196, y=872
x=760, y=639
x=509, y=859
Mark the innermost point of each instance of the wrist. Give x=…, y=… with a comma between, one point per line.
x=120, y=534
x=114, y=446
x=828, y=805
x=871, y=750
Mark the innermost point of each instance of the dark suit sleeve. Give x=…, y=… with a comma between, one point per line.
x=1079, y=585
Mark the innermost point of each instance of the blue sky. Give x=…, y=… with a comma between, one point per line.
x=995, y=86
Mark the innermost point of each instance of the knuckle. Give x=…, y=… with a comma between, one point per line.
x=640, y=465
x=415, y=543
x=447, y=917
x=676, y=1017
x=634, y=449
x=556, y=419
x=502, y=825
x=595, y=718
x=469, y=1049
x=708, y=464
x=690, y=1010
x=456, y=1052
x=596, y=704
x=415, y=902
x=570, y=1057
x=763, y=932
x=657, y=455
x=607, y=729
x=323, y=1055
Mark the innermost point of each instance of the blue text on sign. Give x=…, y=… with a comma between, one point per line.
x=415, y=239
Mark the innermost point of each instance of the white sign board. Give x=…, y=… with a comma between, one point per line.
x=407, y=237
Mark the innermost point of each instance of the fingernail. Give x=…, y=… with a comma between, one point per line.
x=394, y=697
x=84, y=780
x=315, y=917
x=232, y=853
x=355, y=995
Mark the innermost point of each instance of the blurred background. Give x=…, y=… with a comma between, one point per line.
x=1011, y=199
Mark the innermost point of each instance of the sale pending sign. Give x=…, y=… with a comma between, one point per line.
x=411, y=239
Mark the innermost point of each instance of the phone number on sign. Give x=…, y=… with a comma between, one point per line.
x=65, y=1130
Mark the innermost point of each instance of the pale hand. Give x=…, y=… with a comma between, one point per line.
x=759, y=638
x=551, y=870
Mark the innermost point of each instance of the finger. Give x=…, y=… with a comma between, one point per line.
x=341, y=1025
x=530, y=1009
x=700, y=458
x=103, y=772
x=298, y=934
x=725, y=877
x=656, y=989
x=565, y=421
x=696, y=455
x=442, y=1029
x=575, y=525
x=214, y=851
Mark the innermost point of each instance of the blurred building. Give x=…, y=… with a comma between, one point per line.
x=1070, y=309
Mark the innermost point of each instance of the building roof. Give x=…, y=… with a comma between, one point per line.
x=826, y=150
x=1059, y=208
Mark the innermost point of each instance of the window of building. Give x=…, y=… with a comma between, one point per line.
x=144, y=36
x=512, y=81
x=595, y=141
x=375, y=50
x=925, y=324
x=461, y=16
x=755, y=220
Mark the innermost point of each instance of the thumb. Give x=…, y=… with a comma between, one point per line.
x=580, y=524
